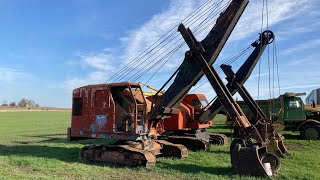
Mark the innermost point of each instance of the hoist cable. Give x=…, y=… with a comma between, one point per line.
x=269, y=65
x=223, y=8
x=210, y=15
x=259, y=70
x=207, y=81
x=273, y=62
x=170, y=54
x=275, y=50
x=172, y=32
x=177, y=49
x=260, y=59
x=160, y=67
x=126, y=74
x=228, y=61
x=136, y=65
x=217, y=4
x=189, y=20
x=153, y=65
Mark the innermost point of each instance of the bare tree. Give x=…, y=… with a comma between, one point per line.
x=26, y=103
x=4, y=103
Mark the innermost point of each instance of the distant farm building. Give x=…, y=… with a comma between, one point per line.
x=313, y=96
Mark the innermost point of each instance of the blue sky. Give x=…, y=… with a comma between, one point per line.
x=48, y=48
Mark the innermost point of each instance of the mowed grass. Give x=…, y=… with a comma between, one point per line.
x=33, y=145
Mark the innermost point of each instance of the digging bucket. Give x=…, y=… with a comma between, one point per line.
x=252, y=160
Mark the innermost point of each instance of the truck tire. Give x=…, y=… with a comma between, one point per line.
x=310, y=131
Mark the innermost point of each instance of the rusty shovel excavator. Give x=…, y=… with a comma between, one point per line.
x=118, y=111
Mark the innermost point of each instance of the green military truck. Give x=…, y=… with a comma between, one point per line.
x=289, y=110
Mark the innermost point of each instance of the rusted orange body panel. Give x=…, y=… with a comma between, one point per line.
x=118, y=111
x=98, y=113
x=188, y=119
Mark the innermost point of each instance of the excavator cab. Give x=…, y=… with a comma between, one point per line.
x=198, y=101
x=117, y=111
x=108, y=111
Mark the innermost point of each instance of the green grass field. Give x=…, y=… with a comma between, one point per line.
x=33, y=145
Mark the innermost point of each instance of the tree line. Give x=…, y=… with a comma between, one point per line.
x=22, y=103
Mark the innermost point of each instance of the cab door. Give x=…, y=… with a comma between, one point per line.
x=294, y=109
x=103, y=115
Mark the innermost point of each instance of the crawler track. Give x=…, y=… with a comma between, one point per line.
x=118, y=154
x=218, y=139
x=192, y=143
x=173, y=149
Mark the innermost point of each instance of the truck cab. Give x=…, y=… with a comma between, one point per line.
x=289, y=110
x=293, y=109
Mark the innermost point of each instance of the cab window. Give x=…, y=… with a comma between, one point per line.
x=199, y=103
x=77, y=107
x=294, y=104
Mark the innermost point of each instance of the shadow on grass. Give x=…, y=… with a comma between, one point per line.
x=65, y=154
x=292, y=136
x=51, y=138
x=49, y=135
x=194, y=169
x=214, y=151
x=60, y=153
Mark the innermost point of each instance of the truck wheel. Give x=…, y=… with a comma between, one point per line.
x=310, y=131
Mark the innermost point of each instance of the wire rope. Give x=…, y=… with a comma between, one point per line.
x=172, y=32
x=213, y=12
x=190, y=19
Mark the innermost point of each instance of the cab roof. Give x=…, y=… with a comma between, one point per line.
x=107, y=85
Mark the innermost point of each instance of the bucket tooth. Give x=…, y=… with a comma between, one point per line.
x=251, y=160
x=276, y=146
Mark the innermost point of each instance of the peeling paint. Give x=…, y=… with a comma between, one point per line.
x=93, y=130
x=101, y=120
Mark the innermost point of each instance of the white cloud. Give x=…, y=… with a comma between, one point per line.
x=93, y=78
x=143, y=37
x=278, y=11
x=100, y=61
x=13, y=76
x=137, y=40
x=301, y=47
x=305, y=86
x=297, y=62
